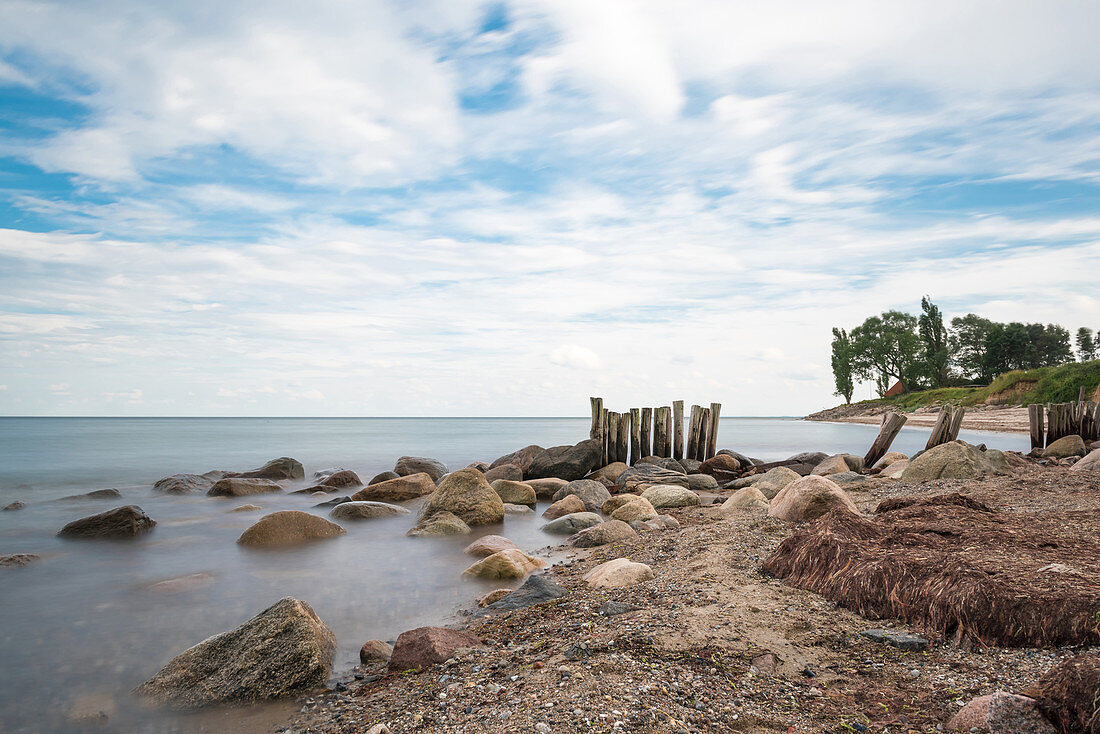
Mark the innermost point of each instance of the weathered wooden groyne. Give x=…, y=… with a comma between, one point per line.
x=1053, y=421
x=641, y=432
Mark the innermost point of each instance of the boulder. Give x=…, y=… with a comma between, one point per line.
x=281, y=468
x=616, y=501
x=667, y=495
x=691, y=466
x=375, y=650
x=545, y=488
x=400, y=489
x=808, y=498
x=721, y=465
x=895, y=470
x=608, y=475
x=701, y=482
x=746, y=499
x=612, y=531
x=12, y=560
x=511, y=472
x=238, y=487
x=408, y=465
x=636, y=509
x=181, y=584
x=383, y=477
x=340, y=480
x=537, y=589
x=426, y=646
x=510, y=509
x=466, y=494
x=638, y=477
x=565, y=462
x=572, y=523
x=441, y=523
x=1091, y=462
x=287, y=528
x=847, y=477
x=521, y=458
x=493, y=596
x=284, y=650
x=481, y=466
x=1066, y=447
x=365, y=510
x=837, y=464
x=505, y=564
x=952, y=460
x=516, y=493
x=332, y=502
x=1001, y=713
x=17, y=505
x=591, y=493
x=567, y=505
x=808, y=457
x=889, y=458
x=245, y=508
x=487, y=545
x=98, y=494
x=617, y=574
x=773, y=480
x=663, y=462
x=128, y=521
x=183, y=484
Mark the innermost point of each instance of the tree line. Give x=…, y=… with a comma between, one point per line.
x=922, y=352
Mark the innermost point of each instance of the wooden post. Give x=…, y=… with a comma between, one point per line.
x=603, y=436
x=1088, y=426
x=597, y=412
x=635, y=435
x=692, y=447
x=704, y=434
x=662, y=421
x=1081, y=394
x=647, y=428
x=622, y=445
x=677, y=429
x=956, y=423
x=891, y=424
x=712, y=431
x=939, y=430
x=1035, y=419
x=612, y=438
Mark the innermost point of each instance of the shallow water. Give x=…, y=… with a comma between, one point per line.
x=84, y=620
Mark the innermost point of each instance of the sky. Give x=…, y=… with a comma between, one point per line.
x=501, y=208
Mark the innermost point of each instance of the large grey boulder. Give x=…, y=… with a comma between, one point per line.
x=407, y=465
x=772, y=481
x=183, y=484
x=838, y=464
x=668, y=495
x=511, y=472
x=1066, y=447
x=398, y=489
x=952, y=460
x=612, y=531
x=592, y=493
x=573, y=523
x=515, y=493
x=284, y=650
x=288, y=528
x=242, y=487
x=521, y=458
x=665, y=462
x=467, y=495
x=129, y=521
x=365, y=510
x=281, y=468
x=537, y=589
x=1091, y=462
x=638, y=477
x=808, y=498
x=565, y=462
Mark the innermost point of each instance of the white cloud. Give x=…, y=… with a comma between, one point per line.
x=576, y=356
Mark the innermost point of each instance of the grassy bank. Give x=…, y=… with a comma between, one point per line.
x=1059, y=384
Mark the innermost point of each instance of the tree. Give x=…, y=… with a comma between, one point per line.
x=933, y=336
x=842, y=364
x=1086, y=345
x=1053, y=346
x=968, y=343
x=887, y=347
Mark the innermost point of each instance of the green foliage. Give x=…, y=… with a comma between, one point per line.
x=842, y=364
x=1017, y=346
x=968, y=338
x=1087, y=346
x=887, y=348
x=933, y=336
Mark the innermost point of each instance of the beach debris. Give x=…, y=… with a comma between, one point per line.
x=894, y=638
x=466, y=494
x=426, y=646
x=618, y=573
x=487, y=545
x=289, y=527
x=667, y=495
x=375, y=650
x=612, y=531
x=398, y=489
x=440, y=523
x=407, y=465
x=128, y=521
x=365, y=510
x=238, y=487
x=566, y=462
x=282, y=468
x=512, y=492
x=1001, y=713
x=505, y=564
x=572, y=523
x=283, y=650
x=183, y=484
x=1069, y=694
x=956, y=567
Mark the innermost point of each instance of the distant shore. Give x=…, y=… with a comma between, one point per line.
x=1000, y=418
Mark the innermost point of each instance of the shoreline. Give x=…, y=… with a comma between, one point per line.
x=995, y=419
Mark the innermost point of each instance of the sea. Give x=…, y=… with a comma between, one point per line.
x=91, y=620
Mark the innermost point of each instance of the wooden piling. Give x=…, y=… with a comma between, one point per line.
x=712, y=431
x=939, y=430
x=1035, y=419
x=956, y=422
x=647, y=429
x=694, y=418
x=662, y=422
x=596, y=432
x=635, y=435
x=678, y=429
x=612, y=438
x=704, y=434
x=622, y=444
x=891, y=424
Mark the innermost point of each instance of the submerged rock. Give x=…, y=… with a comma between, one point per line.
x=808, y=498
x=569, y=524
x=426, y=646
x=375, y=650
x=17, y=505
x=511, y=472
x=521, y=458
x=365, y=510
x=281, y=468
x=284, y=650
x=183, y=484
x=487, y=545
x=592, y=493
x=129, y=521
x=13, y=560
x=407, y=465
x=505, y=564
x=493, y=596
x=98, y=494
x=441, y=523
x=383, y=477
x=397, y=490
x=466, y=494
x=245, y=508
x=567, y=505
x=238, y=487
x=565, y=462
x=287, y=528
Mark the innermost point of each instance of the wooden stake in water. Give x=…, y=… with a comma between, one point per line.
x=635, y=435
x=1037, y=426
x=712, y=431
x=678, y=429
x=662, y=423
x=647, y=428
x=891, y=424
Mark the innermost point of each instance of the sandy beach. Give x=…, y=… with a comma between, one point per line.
x=1003, y=419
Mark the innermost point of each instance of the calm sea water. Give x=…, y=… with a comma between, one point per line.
x=84, y=622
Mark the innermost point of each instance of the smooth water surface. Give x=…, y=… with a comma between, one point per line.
x=84, y=620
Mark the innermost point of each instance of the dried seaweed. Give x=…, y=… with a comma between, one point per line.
x=1069, y=694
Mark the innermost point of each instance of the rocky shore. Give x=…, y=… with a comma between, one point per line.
x=1000, y=418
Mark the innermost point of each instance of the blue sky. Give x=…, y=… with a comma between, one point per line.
x=467, y=208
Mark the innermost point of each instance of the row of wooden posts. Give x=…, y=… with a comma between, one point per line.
x=1080, y=418
x=642, y=432
x=946, y=429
